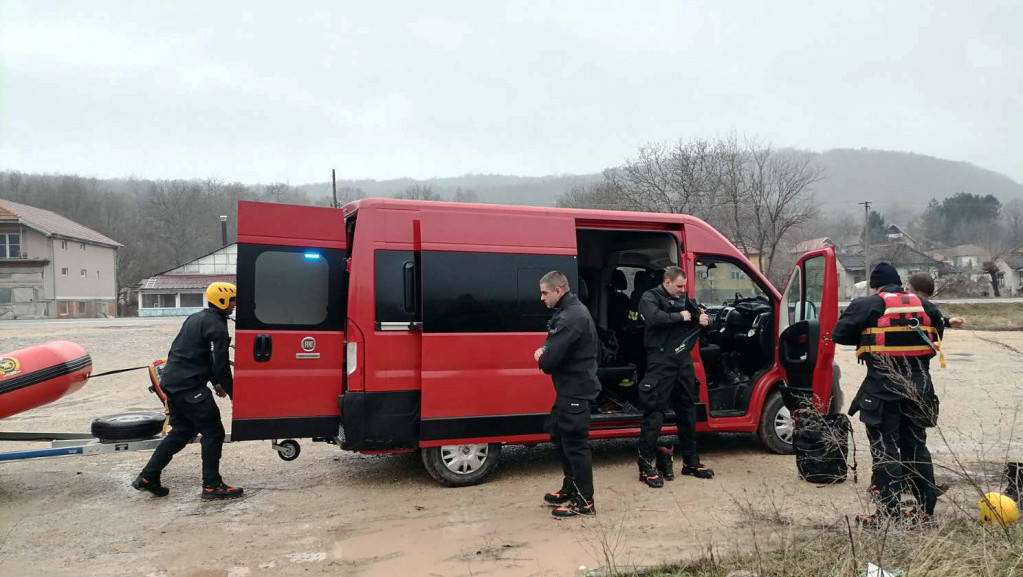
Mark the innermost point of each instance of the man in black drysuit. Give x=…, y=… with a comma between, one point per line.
x=672, y=323
x=569, y=356
x=895, y=401
x=199, y=354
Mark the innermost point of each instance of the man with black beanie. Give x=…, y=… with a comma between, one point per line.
x=896, y=334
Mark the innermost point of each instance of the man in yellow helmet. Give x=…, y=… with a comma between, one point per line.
x=198, y=355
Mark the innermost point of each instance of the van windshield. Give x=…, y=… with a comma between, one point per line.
x=722, y=282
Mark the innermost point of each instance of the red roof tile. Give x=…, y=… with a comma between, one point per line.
x=183, y=281
x=51, y=223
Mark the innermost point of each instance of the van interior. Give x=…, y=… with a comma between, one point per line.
x=616, y=267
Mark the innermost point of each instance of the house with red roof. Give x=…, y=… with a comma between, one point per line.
x=181, y=291
x=54, y=267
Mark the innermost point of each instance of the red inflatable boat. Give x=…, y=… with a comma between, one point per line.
x=35, y=376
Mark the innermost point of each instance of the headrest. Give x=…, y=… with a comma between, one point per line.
x=618, y=280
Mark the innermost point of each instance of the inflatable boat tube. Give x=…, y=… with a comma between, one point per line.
x=35, y=376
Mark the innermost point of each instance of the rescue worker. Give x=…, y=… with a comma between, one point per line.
x=199, y=354
x=569, y=356
x=896, y=334
x=922, y=285
x=672, y=323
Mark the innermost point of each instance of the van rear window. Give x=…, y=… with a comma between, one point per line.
x=291, y=288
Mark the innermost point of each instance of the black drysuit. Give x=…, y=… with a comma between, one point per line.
x=570, y=358
x=895, y=410
x=199, y=354
x=670, y=379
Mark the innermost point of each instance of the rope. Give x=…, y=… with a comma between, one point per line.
x=118, y=371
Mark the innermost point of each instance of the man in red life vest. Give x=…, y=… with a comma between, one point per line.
x=896, y=334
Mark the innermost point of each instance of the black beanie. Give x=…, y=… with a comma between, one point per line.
x=883, y=275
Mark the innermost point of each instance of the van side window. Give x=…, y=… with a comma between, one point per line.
x=470, y=292
x=293, y=288
x=397, y=290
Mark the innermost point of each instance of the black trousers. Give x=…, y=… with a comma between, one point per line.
x=667, y=386
x=569, y=425
x=192, y=412
x=897, y=433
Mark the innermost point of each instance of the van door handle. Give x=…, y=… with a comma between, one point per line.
x=262, y=348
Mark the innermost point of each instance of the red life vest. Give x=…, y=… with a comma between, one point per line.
x=904, y=330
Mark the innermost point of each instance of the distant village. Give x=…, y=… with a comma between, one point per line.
x=53, y=267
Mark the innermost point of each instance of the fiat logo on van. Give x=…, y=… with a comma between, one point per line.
x=308, y=344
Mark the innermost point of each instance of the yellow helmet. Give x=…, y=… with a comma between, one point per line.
x=219, y=294
x=995, y=506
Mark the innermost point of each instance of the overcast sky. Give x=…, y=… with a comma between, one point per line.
x=275, y=91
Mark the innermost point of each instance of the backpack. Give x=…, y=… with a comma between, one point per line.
x=821, y=444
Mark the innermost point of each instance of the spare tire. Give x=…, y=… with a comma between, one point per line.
x=128, y=426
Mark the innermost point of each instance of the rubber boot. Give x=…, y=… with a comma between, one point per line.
x=1014, y=480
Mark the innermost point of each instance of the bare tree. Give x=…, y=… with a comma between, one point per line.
x=768, y=196
x=418, y=191
x=682, y=178
x=600, y=195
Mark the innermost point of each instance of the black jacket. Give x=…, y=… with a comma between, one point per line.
x=863, y=313
x=570, y=351
x=664, y=328
x=199, y=354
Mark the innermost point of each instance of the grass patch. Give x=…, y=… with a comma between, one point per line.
x=958, y=547
x=995, y=316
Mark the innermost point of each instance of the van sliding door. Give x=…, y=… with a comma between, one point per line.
x=482, y=319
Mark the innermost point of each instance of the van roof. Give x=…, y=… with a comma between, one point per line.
x=581, y=213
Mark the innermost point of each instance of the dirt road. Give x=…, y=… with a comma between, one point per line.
x=335, y=513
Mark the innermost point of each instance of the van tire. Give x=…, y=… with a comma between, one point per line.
x=767, y=431
x=433, y=460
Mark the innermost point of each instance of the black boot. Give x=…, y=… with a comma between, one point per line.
x=648, y=474
x=563, y=495
x=1014, y=480
x=664, y=462
x=577, y=506
x=154, y=487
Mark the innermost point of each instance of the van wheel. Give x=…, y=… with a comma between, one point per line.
x=776, y=425
x=461, y=465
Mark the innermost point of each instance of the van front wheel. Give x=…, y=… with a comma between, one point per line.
x=776, y=425
x=461, y=465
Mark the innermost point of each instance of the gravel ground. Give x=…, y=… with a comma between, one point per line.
x=337, y=513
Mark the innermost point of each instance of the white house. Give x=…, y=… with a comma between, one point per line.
x=180, y=291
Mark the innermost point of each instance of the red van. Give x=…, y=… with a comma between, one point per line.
x=393, y=325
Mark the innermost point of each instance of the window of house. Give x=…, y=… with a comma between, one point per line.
x=191, y=300
x=63, y=245
x=81, y=306
x=82, y=245
x=63, y=271
x=10, y=245
x=63, y=308
x=97, y=274
x=84, y=273
x=158, y=301
x=5, y=296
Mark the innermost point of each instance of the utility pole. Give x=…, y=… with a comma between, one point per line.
x=866, y=238
x=333, y=182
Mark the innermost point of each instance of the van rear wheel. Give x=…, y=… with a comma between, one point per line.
x=461, y=465
x=776, y=425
